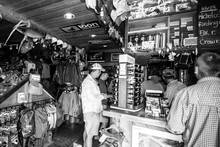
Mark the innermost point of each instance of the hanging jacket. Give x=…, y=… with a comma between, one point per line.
x=41, y=123
x=70, y=103
x=68, y=73
x=91, y=4
x=58, y=75
x=45, y=71
x=25, y=124
x=72, y=74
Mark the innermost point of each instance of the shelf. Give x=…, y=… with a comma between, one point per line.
x=148, y=30
x=161, y=17
x=149, y=19
x=13, y=89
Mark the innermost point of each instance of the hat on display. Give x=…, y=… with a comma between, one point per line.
x=168, y=73
x=97, y=66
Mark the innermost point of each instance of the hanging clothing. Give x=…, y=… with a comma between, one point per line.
x=45, y=71
x=68, y=73
x=72, y=74
x=70, y=103
x=41, y=123
x=58, y=75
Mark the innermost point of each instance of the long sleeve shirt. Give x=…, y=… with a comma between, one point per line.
x=195, y=113
x=173, y=88
x=91, y=96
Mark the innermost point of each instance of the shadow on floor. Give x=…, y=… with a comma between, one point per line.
x=67, y=134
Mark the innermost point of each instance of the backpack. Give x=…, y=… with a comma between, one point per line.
x=26, y=124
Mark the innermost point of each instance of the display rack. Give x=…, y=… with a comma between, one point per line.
x=10, y=98
x=11, y=90
x=129, y=78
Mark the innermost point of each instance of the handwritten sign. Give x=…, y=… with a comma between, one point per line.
x=209, y=25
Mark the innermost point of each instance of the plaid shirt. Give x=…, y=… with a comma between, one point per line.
x=195, y=113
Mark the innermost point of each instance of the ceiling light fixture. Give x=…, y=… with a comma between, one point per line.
x=93, y=35
x=105, y=46
x=69, y=16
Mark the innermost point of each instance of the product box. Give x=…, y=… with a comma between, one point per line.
x=175, y=32
x=153, y=102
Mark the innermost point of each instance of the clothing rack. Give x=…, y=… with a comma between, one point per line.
x=32, y=103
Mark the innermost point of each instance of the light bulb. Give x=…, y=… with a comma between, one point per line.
x=69, y=16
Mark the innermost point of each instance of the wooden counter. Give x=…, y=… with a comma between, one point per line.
x=138, y=117
x=135, y=123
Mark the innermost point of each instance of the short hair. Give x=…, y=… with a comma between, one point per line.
x=168, y=73
x=211, y=63
x=155, y=73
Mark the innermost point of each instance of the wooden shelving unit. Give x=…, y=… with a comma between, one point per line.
x=157, y=25
x=151, y=30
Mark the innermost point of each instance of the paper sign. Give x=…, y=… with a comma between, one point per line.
x=21, y=98
x=35, y=77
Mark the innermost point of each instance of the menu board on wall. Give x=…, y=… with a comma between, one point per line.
x=208, y=25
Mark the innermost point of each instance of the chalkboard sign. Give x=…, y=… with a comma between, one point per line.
x=208, y=25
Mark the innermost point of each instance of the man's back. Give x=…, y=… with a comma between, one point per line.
x=199, y=109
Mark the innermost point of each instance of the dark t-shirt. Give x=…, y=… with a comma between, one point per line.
x=102, y=86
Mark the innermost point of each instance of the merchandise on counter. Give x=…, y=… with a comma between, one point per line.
x=156, y=105
x=129, y=85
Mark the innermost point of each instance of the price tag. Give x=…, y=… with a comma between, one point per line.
x=21, y=98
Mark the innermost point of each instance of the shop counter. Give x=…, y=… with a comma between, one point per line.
x=142, y=130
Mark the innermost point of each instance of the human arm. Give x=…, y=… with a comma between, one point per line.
x=179, y=112
x=92, y=90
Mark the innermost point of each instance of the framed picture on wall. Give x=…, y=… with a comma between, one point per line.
x=115, y=56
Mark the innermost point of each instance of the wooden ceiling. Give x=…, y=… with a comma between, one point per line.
x=48, y=16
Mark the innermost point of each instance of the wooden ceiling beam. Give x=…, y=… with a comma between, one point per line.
x=14, y=17
x=52, y=6
x=77, y=9
x=34, y=4
x=61, y=22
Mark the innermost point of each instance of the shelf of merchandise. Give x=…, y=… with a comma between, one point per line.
x=161, y=17
x=151, y=30
x=147, y=25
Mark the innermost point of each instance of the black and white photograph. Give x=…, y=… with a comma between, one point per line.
x=109, y=73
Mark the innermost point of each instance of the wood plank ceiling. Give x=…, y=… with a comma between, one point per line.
x=49, y=14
